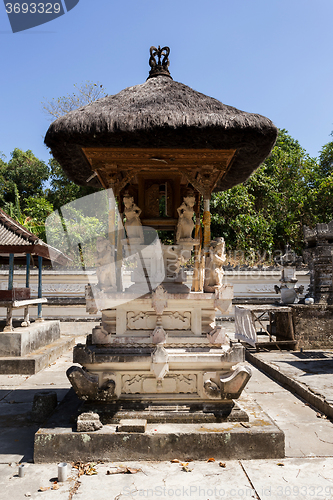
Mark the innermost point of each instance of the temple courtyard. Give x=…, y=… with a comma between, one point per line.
x=306, y=471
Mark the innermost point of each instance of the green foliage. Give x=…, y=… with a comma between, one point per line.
x=13, y=209
x=326, y=158
x=76, y=233
x=270, y=208
x=62, y=190
x=259, y=217
x=36, y=212
x=24, y=173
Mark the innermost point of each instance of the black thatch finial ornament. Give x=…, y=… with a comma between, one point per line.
x=159, y=67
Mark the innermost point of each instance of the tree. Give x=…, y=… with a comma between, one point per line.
x=270, y=208
x=23, y=176
x=326, y=159
x=36, y=212
x=323, y=189
x=85, y=93
x=62, y=190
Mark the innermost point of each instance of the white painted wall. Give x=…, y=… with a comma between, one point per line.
x=248, y=285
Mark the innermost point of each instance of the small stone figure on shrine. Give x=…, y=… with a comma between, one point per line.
x=185, y=221
x=105, y=265
x=132, y=223
x=214, y=265
x=288, y=262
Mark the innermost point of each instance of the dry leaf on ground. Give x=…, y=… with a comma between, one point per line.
x=88, y=469
x=123, y=470
x=185, y=467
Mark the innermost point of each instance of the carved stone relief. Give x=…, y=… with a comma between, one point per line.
x=159, y=300
x=147, y=320
x=146, y=384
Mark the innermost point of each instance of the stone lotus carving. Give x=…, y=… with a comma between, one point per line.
x=159, y=300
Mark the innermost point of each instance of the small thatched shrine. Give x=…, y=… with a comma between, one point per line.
x=20, y=246
x=160, y=148
x=160, y=133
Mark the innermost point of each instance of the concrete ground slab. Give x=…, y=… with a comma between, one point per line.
x=257, y=479
x=165, y=480
x=16, y=444
x=35, y=478
x=27, y=394
x=296, y=417
x=11, y=381
x=295, y=479
x=239, y=479
x=307, y=374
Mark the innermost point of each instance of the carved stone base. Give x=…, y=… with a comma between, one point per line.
x=163, y=346
x=182, y=374
x=167, y=413
x=86, y=385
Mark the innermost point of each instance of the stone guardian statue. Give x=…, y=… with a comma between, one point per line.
x=185, y=224
x=214, y=265
x=133, y=225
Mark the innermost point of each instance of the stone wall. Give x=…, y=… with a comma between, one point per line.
x=65, y=290
x=313, y=325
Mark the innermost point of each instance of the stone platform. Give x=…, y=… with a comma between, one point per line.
x=259, y=438
x=166, y=413
x=27, y=350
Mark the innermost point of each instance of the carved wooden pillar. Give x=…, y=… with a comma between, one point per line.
x=197, y=250
x=120, y=236
x=206, y=223
x=112, y=217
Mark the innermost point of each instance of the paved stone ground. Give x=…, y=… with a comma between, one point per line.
x=313, y=369
x=305, y=473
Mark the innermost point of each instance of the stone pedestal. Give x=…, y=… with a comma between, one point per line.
x=162, y=347
x=318, y=256
x=27, y=350
x=313, y=326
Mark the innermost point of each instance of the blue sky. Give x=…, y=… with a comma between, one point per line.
x=272, y=57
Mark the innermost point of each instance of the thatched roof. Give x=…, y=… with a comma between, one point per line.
x=165, y=114
x=16, y=239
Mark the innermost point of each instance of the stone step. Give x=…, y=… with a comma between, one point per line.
x=35, y=361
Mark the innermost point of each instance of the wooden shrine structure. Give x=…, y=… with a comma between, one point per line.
x=20, y=246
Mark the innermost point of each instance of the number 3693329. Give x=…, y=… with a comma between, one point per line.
x=33, y=8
